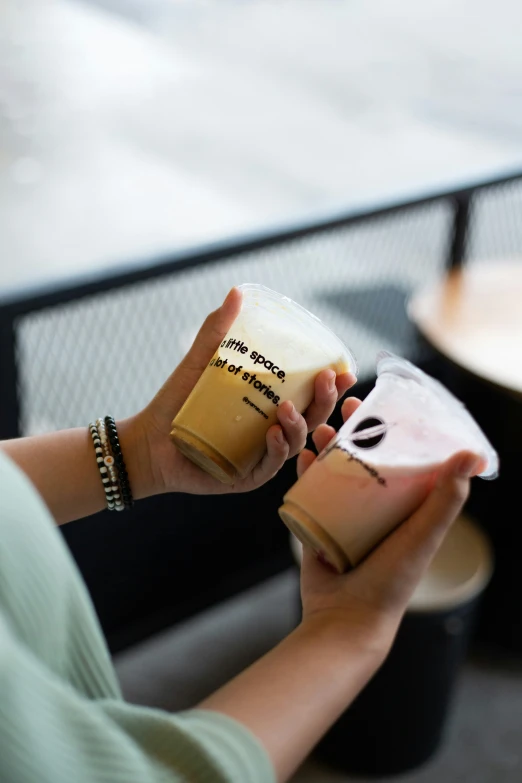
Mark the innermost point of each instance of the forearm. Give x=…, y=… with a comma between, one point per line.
x=63, y=468
x=290, y=697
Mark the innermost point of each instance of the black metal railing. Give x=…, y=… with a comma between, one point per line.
x=355, y=269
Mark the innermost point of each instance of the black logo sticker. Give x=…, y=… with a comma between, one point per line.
x=369, y=433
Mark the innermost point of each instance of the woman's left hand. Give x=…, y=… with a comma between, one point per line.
x=170, y=471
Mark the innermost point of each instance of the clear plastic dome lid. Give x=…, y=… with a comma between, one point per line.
x=396, y=365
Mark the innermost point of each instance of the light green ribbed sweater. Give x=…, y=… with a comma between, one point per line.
x=62, y=716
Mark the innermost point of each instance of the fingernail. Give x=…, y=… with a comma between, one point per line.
x=280, y=437
x=232, y=290
x=468, y=466
x=293, y=415
x=331, y=380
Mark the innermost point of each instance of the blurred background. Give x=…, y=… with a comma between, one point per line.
x=353, y=155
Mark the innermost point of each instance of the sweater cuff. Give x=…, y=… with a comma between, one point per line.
x=234, y=748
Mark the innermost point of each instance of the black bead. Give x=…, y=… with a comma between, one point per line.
x=112, y=434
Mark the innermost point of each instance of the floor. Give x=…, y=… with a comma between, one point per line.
x=175, y=670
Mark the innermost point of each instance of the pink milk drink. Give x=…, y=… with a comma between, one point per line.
x=381, y=465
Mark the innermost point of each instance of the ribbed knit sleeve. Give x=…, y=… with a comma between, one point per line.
x=51, y=734
x=62, y=718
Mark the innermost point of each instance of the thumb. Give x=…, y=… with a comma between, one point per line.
x=214, y=328
x=176, y=389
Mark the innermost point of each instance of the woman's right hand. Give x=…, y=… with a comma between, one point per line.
x=369, y=601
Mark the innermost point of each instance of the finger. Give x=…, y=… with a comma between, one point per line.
x=322, y=436
x=343, y=382
x=304, y=460
x=349, y=406
x=294, y=427
x=400, y=561
x=276, y=455
x=325, y=397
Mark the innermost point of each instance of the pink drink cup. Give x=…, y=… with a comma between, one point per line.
x=381, y=465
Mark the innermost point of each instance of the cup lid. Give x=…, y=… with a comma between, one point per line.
x=306, y=320
x=396, y=365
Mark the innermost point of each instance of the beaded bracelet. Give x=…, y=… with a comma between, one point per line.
x=114, y=441
x=105, y=461
x=110, y=463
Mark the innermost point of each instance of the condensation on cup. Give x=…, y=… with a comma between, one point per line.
x=272, y=353
x=381, y=465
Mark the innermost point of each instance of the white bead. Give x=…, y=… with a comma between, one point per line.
x=103, y=469
x=109, y=461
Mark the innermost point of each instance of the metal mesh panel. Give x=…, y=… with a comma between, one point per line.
x=496, y=223
x=111, y=352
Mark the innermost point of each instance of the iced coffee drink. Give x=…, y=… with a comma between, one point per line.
x=272, y=353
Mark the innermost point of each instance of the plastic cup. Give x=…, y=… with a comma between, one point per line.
x=272, y=353
x=382, y=464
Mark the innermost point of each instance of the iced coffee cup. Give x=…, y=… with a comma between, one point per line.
x=272, y=353
x=381, y=465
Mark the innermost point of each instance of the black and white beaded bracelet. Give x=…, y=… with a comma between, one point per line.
x=110, y=462
x=112, y=432
x=105, y=462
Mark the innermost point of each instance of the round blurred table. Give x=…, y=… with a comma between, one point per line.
x=474, y=318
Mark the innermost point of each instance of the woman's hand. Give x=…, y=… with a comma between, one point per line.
x=369, y=602
x=169, y=470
